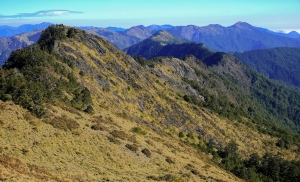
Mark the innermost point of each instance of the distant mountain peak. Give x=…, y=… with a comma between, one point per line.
x=159, y=27
x=242, y=25
x=117, y=29
x=137, y=27
x=139, y=31
x=164, y=37
x=162, y=32
x=215, y=26
x=294, y=33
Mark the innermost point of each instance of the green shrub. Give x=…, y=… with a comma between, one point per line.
x=81, y=73
x=71, y=33
x=6, y=97
x=89, y=110
x=181, y=135
x=139, y=130
x=190, y=135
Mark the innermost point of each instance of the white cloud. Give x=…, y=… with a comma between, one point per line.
x=286, y=30
x=40, y=14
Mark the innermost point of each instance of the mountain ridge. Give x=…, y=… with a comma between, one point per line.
x=96, y=145
x=123, y=38
x=236, y=72
x=232, y=38
x=91, y=112
x=8, y=31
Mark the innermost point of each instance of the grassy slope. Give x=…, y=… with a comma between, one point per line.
x=125, y=95
x=33, y=150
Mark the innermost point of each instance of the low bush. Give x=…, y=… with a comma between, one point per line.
x=146, y=152
x=98, y=127
x=63, y=123
x=133, y=147
x=114, y=140
x=139, y=130
x=169, y=160
x=119, y=134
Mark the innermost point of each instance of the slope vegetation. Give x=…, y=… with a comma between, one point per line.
x=250, y=90
x=155, y=45
x=281, y=64
x=75, y=108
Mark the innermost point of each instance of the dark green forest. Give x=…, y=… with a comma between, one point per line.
x=268, y=168
x=281, y=64
x=28, y=77
x=151, y=49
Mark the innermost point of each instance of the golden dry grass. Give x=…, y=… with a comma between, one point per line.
x=35, y=150
x=102, y=146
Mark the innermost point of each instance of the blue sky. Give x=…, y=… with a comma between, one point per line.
x=271, y=14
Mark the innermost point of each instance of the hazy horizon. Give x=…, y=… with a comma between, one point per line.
x=286, y=31
x=273, y=15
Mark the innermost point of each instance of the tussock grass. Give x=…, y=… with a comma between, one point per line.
x=132, y=135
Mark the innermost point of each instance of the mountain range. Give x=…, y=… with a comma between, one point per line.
x=236, y=38
x=292, y=34
x=239, y=37
x=156, y=46
x=7, y=31
x=281, y=64
x=76, y=108
x=125, y=38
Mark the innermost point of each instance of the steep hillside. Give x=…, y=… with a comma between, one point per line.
x=154, y=45
x=78, y=109
x=140, y=32
x=249, y=89
x=238, y=37
x=9, y=44
x=281, y=64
